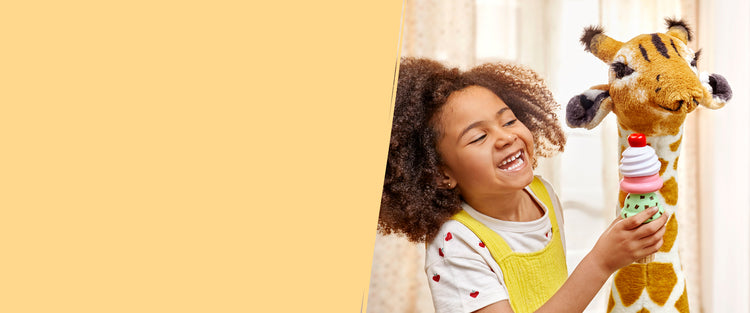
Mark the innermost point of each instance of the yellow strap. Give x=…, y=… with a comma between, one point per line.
x=494, y=243
x=537, y=187
x=497, y=246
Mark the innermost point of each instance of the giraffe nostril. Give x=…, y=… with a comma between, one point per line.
x=657, y=89
x=676, y=106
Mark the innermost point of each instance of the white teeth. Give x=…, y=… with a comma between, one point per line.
x=511, y=159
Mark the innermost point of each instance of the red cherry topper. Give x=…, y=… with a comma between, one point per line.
x=637, y=140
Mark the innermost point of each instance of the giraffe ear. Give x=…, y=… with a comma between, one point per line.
x=602, y=46
x=679, y=29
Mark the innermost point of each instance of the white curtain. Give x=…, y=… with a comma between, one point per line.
x=543, y=34
x=724, y=167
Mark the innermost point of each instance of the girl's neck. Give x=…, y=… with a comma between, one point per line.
x=516, y=206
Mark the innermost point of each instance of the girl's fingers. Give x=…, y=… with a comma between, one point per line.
x=638, y=219
x=652, y=227
x=655, y=237
x=653, y=248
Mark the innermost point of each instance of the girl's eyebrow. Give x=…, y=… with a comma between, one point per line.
x=477, y=123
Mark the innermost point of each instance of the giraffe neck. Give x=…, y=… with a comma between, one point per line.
x=659, y=286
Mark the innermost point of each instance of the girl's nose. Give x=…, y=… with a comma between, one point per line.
x=505, y=139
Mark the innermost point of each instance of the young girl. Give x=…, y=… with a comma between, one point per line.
x=459, y=178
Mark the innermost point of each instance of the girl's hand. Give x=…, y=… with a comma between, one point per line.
x=627, y=240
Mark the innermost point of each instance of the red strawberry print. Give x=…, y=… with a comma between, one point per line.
x=448, y=236
x=481, y=244
x=474, y=293
x=436, y=277
x=440, y=252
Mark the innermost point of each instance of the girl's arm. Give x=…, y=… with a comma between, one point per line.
x=625, y=241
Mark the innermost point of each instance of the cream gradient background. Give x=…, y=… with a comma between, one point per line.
x=192, y=156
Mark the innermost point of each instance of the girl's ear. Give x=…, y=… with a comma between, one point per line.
x=447, y=181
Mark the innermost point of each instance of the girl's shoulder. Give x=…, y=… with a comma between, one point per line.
x=454, y=240
x=546, y=183
x=458, y=266
x=550, y=191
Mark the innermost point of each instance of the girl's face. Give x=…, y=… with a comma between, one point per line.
x=485, y=150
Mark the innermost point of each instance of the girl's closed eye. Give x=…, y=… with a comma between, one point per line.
x=478, y=139
x=511, y=122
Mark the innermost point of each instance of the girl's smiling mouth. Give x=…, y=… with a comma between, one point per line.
x=513, y=162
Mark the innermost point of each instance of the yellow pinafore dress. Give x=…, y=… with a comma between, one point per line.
x=530, y=278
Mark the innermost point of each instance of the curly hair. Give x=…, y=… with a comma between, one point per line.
x=412, y=203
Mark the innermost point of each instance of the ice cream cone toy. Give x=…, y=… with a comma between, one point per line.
x=639, y=167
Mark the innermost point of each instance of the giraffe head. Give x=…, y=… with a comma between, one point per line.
x=653, y=79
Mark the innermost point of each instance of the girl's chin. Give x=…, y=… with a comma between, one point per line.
x=518, y=179
x=525, y=177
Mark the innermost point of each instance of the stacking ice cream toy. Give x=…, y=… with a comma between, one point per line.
x=639, y=167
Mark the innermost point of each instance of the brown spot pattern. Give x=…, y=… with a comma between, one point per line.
x=675, y=145
x=669, y=191
x=682, y=303
x=643, y=310
x=663, y=168
x=670, y=235
x=674, y=166
x=658, y=279
x=661, y=281
x=611, y=303
x=630, y=282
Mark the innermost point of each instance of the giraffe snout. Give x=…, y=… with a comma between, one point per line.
x=688, y=100
x=673, y=106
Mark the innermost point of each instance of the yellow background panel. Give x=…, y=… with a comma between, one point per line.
x=192, y=156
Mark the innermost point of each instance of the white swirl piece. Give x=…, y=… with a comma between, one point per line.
x=639, y=162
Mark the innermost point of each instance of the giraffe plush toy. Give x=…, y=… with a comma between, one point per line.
x=653, y=84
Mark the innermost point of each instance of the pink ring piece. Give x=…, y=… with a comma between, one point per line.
x=643, y=184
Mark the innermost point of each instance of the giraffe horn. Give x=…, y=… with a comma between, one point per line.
x=679, y=29
x=602, y=46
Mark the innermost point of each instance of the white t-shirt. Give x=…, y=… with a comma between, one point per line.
x=462, y=275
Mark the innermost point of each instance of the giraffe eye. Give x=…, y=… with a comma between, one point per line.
x=694, y=62
x=621, y=70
